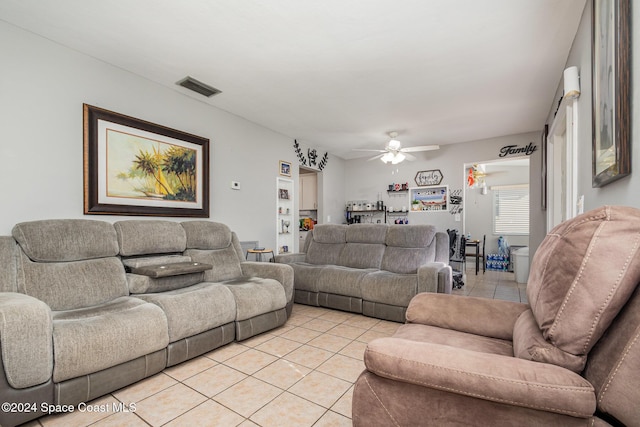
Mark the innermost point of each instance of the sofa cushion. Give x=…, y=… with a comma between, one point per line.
x=326, y=244
x=366, y=233
x=365, y=246
x=330, y=233
x=583, y=272
x=255, y=296
x=61, y=240
x=207, y=235
x=194, y=309
x=528, y=343
x=342, y=280
x=138, y=237
x=455, y=339
x=406, y=260
x=91, y=339
x=416, y=236
x=225, y=262
x=389, y=288
x=324, y=253
x=75, y=284
x=307, y=276
x=362, y=255
x=408, y=248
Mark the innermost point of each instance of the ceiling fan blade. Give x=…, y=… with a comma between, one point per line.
x=420, y=148
x=375, y=157
x=366, y=149
x=410, y=157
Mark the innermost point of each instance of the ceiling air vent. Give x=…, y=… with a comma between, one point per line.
x=196, y=86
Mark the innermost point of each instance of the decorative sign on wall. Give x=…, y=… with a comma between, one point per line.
x=430, y=177
x=510, y=150
x=455, y=200
x=311, y=159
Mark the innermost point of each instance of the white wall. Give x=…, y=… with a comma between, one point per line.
x=42, y=89
x=364, y=180
x=623, y=191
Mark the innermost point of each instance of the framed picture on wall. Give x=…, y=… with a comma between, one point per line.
x=611, y=51
x=285, y=168
x=134, y=167
x=543, y=168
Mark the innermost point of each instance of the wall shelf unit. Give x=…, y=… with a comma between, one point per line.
x=285, y=224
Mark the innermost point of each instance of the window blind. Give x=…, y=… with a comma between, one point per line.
x=511, y=209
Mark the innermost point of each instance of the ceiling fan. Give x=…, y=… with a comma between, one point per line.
x=394, y=152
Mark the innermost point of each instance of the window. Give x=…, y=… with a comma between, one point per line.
x=511, y=209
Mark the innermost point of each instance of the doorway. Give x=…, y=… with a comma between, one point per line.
x=497, y=204
x=562, y=181
x=308, y=206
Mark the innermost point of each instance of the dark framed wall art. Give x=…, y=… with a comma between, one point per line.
x=134, y=167
x=611, y=84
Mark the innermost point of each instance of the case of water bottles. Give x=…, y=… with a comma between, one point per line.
x=497, y=262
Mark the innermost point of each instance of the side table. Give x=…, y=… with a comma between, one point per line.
x=258, y=253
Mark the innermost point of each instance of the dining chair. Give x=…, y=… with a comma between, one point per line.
x=481, y=254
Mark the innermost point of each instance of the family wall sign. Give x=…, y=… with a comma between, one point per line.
x=510, y=150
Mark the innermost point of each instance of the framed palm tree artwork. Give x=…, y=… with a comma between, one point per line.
x=134, y=167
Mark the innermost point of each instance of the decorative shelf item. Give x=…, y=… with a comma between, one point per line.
x=396, y=187
x=429, y=199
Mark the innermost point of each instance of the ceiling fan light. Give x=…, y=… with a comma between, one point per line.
x=399, y=157
x=388, y=157
x=394, y=144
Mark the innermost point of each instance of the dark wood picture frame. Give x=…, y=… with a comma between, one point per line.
x=543, y=167
x=170, y=180
x=611, y=85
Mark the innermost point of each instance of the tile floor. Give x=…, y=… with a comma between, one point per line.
x=492, y=284
x=300, y=374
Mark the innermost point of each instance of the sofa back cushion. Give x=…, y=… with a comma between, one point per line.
x=60, y=240
x=365, y=246
x=327, y=243
x=214, y=243
x=138, y=237
x=69, y=264
x=582, y=274
x=408, y=248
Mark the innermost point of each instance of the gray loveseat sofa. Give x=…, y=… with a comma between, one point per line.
x=88, y=307
x=373, y=269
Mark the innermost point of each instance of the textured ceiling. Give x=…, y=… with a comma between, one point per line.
x=337, y=74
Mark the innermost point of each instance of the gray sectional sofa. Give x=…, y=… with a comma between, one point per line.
x=373, y=269
x=88, y=307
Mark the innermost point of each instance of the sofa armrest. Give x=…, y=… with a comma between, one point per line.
x=26, y=339
x=267, y=270
x=486, y=376
x=433, y=277
x=479, y=316
x=290, y=258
